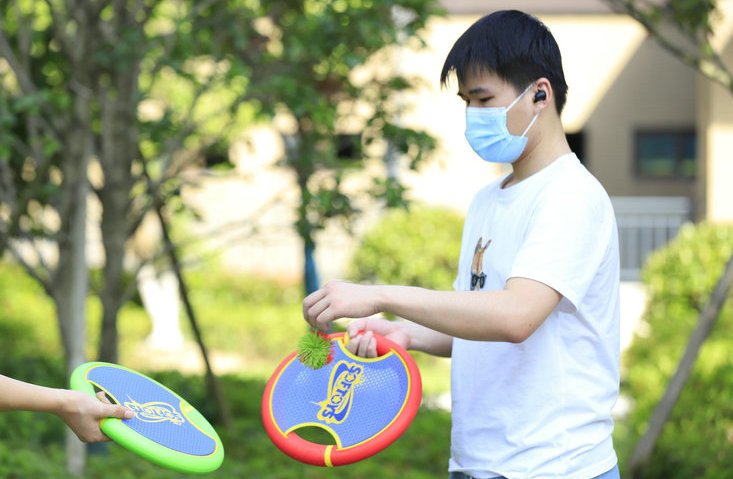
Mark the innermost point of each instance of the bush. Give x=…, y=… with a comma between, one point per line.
x=419, y=247
x=698, y=439
x=18, y=461
x=256, y=317
x=415, y=247
x=27, y=315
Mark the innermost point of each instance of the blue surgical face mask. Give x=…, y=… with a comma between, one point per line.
x=487, y=133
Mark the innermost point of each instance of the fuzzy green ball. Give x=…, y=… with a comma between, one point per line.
x=314, y=350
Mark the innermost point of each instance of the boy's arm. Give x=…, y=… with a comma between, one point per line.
x=80, y=411
x=511, y=314
x=407, y=334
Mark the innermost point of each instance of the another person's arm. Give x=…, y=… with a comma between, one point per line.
x=80, y=411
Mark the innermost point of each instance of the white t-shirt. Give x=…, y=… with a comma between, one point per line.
x=542, y=408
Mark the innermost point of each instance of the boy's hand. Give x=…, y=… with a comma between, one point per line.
x=364, y=345
x=339, y=300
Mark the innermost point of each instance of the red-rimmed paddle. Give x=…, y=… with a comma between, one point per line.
x=364, y=403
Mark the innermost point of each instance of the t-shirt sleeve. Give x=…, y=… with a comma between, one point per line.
x=567, y=238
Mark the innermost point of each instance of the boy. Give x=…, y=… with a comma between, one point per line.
x=533, y=324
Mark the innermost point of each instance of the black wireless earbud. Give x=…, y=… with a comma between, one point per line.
x=539, y=96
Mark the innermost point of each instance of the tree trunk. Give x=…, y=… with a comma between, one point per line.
x=706, y=322
x=119, y=147
x=72, y=281
x=70, y=294
x=70, y=287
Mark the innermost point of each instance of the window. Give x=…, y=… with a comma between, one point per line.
x=666, y=154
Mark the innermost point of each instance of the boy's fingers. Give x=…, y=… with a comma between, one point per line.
x=372, y=351
x=367, y=345
x=356, y=326
x=353, y=344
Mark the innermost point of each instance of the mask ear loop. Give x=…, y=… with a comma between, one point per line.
x=530, y=124
x=514, y=103
x=519, y=97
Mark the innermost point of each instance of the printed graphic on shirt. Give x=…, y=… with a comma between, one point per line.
x=478, y=277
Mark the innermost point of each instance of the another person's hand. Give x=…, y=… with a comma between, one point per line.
x=83, y=413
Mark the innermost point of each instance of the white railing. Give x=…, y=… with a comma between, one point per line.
x=645, y=224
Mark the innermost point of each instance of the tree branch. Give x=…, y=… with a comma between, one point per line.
x=44, y=282
x=170, y=248
x=59, y=21
x=22, y=76
x=711, y=65
x=24, y=80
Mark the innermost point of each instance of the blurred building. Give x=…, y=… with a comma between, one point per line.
x=655, y=133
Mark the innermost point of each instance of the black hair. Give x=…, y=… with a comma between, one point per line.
x=516, y=46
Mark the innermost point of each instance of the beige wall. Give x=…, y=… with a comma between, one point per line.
x=653, y=91
x=715, y=122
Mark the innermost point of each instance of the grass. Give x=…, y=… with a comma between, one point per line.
x=420, y=453
x=250, y=325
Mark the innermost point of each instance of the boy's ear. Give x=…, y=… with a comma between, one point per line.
x=543, y=94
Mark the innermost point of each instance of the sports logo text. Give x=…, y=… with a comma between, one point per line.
x=344, y=377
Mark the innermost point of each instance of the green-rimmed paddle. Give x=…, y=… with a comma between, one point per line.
x=166, y=429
